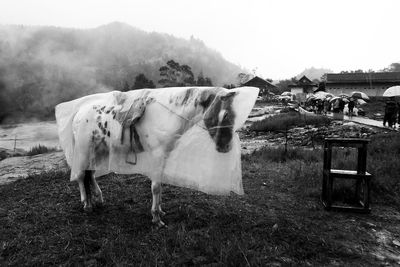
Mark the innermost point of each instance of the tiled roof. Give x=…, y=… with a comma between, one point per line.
x=258, y=81
x=303, y=82
x=363, y=77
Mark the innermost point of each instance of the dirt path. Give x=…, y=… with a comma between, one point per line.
x=365, y=121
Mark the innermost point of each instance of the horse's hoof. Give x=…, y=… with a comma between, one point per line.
x=100, y=205
x=161, y=224
x=162, y=213
x=87, y=208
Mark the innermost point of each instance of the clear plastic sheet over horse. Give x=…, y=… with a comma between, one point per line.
x=184, y=136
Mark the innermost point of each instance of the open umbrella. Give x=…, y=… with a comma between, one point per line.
x=360, y=101
x=392, y=91
x=287, y=93
x=323, y=95
x=359, y=95
x=344, y=95
x=334, y=99
x=337, y=98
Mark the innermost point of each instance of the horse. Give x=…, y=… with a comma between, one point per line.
x=161, y=133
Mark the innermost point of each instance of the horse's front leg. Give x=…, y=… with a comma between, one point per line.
x=156, y=208
x=162, y=213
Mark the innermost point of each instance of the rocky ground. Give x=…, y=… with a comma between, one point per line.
x=14, y=168
x=308, y=136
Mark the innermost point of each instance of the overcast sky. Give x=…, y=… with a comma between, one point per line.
x=277, y=38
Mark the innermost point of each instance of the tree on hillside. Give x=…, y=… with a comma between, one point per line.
x=200, y=79
x=242, y=78
x=186, y=75
x=229, y=86
x=321, y=86
x=174, y=74
x=283, y=85
x=392, y=67
x=141, y=81
x=203, y=81
x=208, y=82
x=351, y=71
x=125, y=87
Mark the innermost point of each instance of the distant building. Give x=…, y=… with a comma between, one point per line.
x=301, y=88
x=260, y=83
x=371, y=83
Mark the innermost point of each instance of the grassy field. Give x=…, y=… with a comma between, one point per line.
x=279, y=221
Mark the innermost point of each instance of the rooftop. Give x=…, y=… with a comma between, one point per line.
x=363, y=77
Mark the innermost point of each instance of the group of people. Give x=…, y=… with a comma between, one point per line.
x=320, y=106
x=392, y=113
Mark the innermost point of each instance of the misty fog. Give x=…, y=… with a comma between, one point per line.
x=43, y=66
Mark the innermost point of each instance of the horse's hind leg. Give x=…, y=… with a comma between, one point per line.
x=97, y=191
x=87, y=203
x=84, y=189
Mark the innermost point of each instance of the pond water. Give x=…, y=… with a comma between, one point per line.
x=28, y=135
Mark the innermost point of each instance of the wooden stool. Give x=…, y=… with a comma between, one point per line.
x=362, y=177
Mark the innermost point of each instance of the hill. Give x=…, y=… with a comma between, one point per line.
x=43, y=66
x=313, y=73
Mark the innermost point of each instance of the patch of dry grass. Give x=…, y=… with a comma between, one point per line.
x=40, y=149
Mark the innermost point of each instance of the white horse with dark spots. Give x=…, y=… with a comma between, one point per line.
x=181, y=136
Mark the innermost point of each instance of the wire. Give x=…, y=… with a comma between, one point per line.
x=196, y=123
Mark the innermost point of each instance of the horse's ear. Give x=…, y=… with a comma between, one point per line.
x=228, y=96
x=243, y=103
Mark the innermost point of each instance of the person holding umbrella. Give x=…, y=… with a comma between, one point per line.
x=391, y=92
x=326, y=106
x=351, y=106
x=390, y=112
x=398, y=114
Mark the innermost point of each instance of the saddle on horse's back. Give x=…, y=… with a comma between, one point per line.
x=128, y=117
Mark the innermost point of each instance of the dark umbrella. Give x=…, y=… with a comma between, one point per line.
x=359, y=95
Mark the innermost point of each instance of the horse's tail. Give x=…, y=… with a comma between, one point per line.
x=65, y=113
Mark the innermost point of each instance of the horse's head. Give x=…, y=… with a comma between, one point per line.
x=219, y=118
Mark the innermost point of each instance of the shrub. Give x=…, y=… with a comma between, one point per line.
x=39, y=149
x=3, y=154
